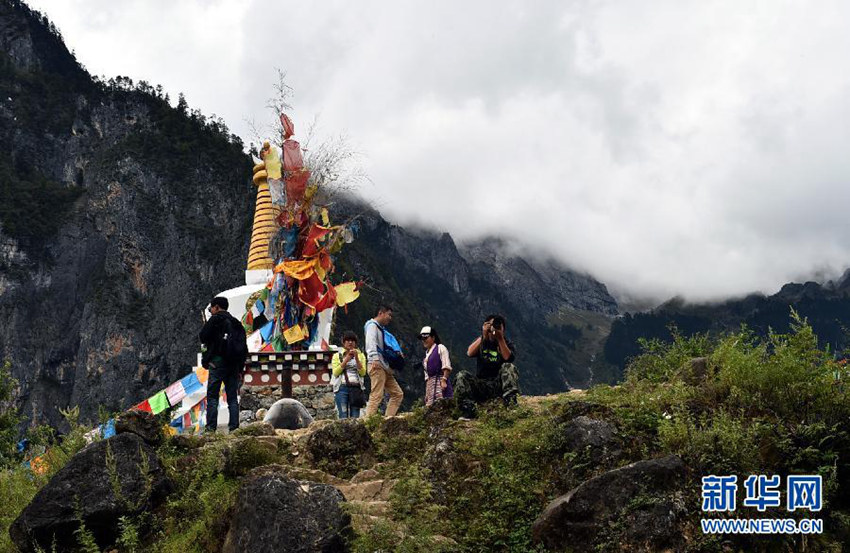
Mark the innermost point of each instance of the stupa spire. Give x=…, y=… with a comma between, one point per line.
x=265, y=212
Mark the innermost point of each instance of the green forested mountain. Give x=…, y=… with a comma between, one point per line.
x=826, y=306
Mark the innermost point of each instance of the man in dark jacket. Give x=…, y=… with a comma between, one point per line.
x=497, y=376
x=214, y=338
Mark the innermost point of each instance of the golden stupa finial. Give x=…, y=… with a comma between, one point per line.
x=264, y=211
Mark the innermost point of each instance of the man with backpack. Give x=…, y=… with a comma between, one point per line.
x=384, y=358
x=226, y=349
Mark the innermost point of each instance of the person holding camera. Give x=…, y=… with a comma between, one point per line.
x=497, y=376
x=348, y=368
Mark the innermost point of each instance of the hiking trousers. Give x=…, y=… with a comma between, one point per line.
x=383, y=381
x=471, y=390
x=230, y=379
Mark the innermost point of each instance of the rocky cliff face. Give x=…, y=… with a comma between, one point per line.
x=431, y=281
x=120, y=216
x=541, y=285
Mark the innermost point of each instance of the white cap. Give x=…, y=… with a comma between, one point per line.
x=425, y=330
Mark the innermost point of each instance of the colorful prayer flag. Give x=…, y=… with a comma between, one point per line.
x=159, y=403
x=346, y=293
x=175, y=392
x=266, y=331
x=108, y=430
x=294, y=334
x=144, y=406
x=297, y=268
x=203, y=375
x=255, y=341
x=191, y=383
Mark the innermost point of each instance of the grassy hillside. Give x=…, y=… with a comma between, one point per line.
x=751, y=406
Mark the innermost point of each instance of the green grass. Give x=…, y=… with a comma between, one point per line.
x=772, y=406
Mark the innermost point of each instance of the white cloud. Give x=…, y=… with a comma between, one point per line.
x=667, y=148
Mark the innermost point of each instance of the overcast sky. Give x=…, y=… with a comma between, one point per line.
x=666, y=147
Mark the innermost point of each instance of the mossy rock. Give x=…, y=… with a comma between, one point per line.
x=255, y=429
x=341, y=448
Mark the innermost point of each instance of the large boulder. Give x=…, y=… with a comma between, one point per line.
x=341, y=448
x=639, y=506
x=141, y=423
x=586, y=446
x=103, y=482
x=596, y=440
x=275, y=513
x=288, y=414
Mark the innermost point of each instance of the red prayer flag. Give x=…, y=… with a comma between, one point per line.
x=311, y=245
x=144, y=406
x=288, y=126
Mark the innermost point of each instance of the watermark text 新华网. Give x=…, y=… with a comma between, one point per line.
x=802, y=492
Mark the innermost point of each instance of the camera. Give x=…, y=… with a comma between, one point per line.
x=497, y=325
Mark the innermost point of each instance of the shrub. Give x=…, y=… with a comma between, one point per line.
x=9, y=418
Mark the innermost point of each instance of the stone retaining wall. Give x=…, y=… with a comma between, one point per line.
x=317, y=398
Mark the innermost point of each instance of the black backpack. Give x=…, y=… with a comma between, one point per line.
x=235, y=343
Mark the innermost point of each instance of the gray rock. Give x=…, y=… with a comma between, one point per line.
x=84, y=488
x=249, y=400
x=258, y=428
x=276, y=513
x=395, y=426
x=587, y=446
x=140, y=423
x=643, y=500
x=596, y=440
x=440, y=412
x=341, y=447
x=365, y=476
x=444, y=460
x=288, y=414
x=245, y=416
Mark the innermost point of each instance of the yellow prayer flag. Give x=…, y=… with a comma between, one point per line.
x=294, y=334
x=272, y=160
x=298, y=269
x=346, y=293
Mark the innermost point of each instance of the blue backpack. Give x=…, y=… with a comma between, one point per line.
x=391, y=352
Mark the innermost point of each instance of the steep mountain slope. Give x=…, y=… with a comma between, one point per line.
x=430, y=281
x=120, y=216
